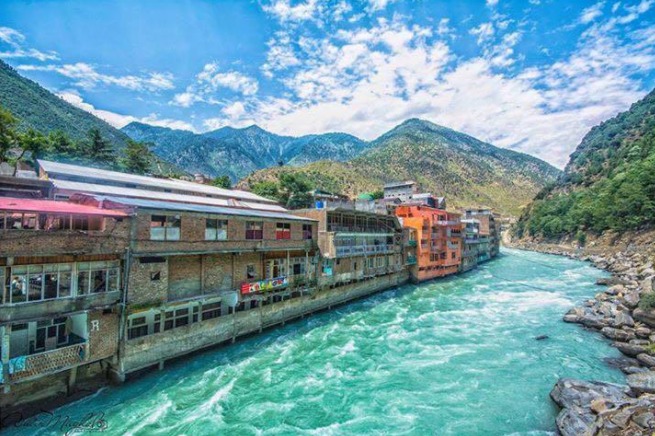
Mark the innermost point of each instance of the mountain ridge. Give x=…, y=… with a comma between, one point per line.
x=442, y=160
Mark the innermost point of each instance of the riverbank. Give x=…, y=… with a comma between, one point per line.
x=619, y=314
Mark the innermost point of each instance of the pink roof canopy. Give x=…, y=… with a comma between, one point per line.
x=54, y=207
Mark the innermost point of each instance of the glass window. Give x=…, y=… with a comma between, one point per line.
x=250, y=272
x=283, y=231
x=138, y=327
x=215, y=230
x=165, y=228
x=210, y=311
x=176, y=318
x=254, y=230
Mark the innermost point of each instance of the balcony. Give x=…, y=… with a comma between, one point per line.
x=452, y=246
x=471, y=241
x=360, y=250
x=412, y=243
x=49, y=362
x=447, y=223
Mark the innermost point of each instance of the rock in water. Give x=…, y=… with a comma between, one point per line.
x=569, y=392
x=642, y=383
x=541, y=337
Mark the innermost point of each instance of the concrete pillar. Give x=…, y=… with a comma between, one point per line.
x=5, y=333
x=116, y=376
x=72, y=378
x=161, y=365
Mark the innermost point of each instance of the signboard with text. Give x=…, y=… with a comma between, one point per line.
x=264, y=285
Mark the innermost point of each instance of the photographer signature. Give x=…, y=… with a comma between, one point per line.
x=91, y=422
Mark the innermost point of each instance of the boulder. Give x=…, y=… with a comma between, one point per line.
x=646, y=359
x=642, y=383
x=623, y=319
x=631, y=299
x=647, y=317
x=570, y=392
x=617, y=334
x=621, y=362
x=643, y=332
x=616, y=290
x=592, y=321
x=631, y=350
x=576, y=421
x=647, y=284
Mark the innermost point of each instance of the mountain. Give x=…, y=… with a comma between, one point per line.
x=608, y=184
x=443, y=161
x=239, y=152
x=39, y=109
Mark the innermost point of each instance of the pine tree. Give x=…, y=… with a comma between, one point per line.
x=136, y=159
x=98, y=148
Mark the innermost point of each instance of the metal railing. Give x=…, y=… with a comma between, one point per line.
x=50, y=361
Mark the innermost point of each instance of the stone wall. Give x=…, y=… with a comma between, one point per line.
x=103, y=334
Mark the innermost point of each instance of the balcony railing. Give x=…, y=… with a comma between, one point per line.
x=354, y=250
x=48, y=362
x=447, y=223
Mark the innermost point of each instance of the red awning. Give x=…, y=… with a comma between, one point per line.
x=54, y=207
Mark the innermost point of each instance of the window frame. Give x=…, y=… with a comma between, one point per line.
x=170, y=224
x=282, y=231
x=252, y=232
x=220, y=230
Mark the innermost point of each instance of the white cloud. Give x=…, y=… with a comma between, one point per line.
x=591, y=13
x=492, y=3
x=86, y=76
x=14, y=40
x=209, y=81
x=367, y=80
x=118, y=120
x=378, y=5
x=285, y=12
x=484, y=32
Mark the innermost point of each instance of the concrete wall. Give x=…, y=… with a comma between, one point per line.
x=149, y=350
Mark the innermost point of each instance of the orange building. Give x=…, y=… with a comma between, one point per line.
x=439, y=236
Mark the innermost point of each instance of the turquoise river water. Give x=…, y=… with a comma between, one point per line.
x=454, y=357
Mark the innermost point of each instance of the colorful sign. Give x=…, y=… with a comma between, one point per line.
x=264, y=285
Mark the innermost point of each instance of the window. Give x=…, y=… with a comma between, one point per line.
x=155, y=276
x=254, y=230
x=20, y=221
x=299, y=267
x=370, y=262
x=40, y=282
x=380, y=262
x=250, y=272
x=215, y=230
x=138, y=327
x=176, y=318
x=453, y=255
x=307, y=231
x=165, y=228
x=275, y=268
x=283, y=231
x=210, y=311
x=96, y=277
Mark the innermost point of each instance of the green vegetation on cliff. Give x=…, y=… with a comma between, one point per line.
x=609, y=183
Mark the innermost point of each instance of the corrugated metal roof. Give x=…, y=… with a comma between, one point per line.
x=53, y=168
x=185, y=207
x=54, y=207
x=73, y=187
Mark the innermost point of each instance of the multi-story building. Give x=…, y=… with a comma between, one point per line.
x=438, y=233
x=356, y=245
x=471, y=244
x=400, y=190
x=489, y=232
x=61, y=271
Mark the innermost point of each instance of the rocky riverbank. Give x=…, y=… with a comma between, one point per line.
x=622, y=312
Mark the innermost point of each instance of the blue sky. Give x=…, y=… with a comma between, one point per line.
x=532, y=76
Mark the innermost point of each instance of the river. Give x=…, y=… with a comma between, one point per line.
x=454, y=357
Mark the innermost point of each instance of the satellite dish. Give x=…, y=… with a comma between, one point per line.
x=231, y=299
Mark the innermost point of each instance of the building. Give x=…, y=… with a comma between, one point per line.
x=439, y=247
x=400, y=190
x=356, y=245
x=489, y=235
x=61, y=269
x=471, y=244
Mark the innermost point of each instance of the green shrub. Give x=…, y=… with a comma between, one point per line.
x=647, y=301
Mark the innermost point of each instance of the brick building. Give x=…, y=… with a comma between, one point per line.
x=489, y=235
x=61, y=274
x=470, y=244
x=356, y=245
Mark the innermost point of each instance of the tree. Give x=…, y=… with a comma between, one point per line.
x=295, y=190
x=222, y=182
x=377, y=195
x=136, y=159
x=267, y=189
x=98, y=148
x=30, y=142
x=7, y=133
x=59, y=144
